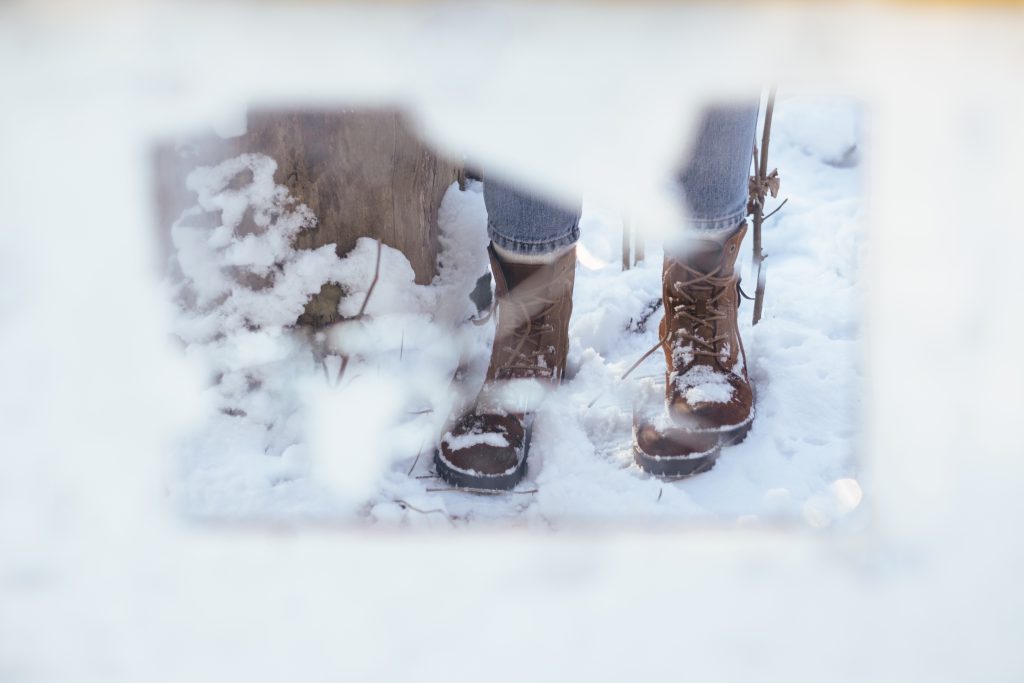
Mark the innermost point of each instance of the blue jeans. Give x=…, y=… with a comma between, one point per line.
x=713, y=184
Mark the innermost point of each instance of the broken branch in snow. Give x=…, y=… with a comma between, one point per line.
x=486, y=492
x=373, y=283
x=409, y=506
x=417, y=460
x=362, y=309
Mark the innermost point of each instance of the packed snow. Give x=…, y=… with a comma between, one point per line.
x=463, y=441
x=701, y=384
x=342, y=424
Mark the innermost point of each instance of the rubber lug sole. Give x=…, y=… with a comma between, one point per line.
x=691, y=464
x=490, y=482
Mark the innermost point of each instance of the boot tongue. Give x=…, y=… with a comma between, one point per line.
x=700, y=255
x=518, y=273
x=535, y=275
x=705, y=254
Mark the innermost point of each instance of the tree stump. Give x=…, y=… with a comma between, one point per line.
x=364, y=173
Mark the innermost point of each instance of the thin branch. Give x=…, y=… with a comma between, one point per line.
x=627, y=230
x=761, y=183
x=766, y=132
x=362, y=309
x=469, y=489
x=417, y=460
x=373, y=283
x=410, y=506
x=775, y=210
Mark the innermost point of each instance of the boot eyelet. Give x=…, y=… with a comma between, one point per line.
x=732, y=248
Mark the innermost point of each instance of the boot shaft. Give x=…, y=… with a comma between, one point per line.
x=534, y=303
x=700, y=289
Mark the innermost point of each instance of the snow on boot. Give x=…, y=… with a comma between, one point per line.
x=709, y=402
x=487, y=447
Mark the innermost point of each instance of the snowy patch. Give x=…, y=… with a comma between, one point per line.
x=703, y=384
x=464, y=441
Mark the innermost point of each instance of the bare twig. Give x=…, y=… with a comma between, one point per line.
x=412, y=507
x=761, y=183
x=362, y=309
x=373, y=283
x=775, y=210
x=417, y=460
x=627, y=230
x=469, y=489
x=660, y=491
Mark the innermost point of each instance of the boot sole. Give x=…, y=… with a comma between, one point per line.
x=690, y=464
x=505, y=481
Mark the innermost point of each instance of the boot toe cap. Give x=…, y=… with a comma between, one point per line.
x=484, y=444
x=697, y=411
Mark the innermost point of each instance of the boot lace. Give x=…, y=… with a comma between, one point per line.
x=526, y=355
x=684, y=319
x=687, y=320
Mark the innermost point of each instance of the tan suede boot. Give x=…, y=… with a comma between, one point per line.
x=487, y=447
x=708, y=396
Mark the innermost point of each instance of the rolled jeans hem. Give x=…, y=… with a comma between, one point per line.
x=715, y=224
x=540, y=248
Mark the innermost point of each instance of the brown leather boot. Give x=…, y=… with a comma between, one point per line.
x=487, y=447
x=708, y=396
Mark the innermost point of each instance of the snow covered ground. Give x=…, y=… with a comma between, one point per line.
x=100, y=580
x=309, y=445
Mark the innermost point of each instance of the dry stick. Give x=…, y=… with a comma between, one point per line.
x=762, y=180
x=404, y=504
x=627, y=229
x=638, y=246
x=417, y=460
x=376, y=276
x=776, y=209
x=469, y=489
x=362, y=309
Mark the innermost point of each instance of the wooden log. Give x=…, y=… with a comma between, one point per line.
x=364, y=173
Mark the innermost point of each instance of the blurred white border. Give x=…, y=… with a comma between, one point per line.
x=100, y=581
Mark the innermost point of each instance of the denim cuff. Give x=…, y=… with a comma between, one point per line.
x=539, y=248
x=730, y=222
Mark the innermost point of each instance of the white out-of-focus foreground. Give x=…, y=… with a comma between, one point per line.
x=100, y=580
